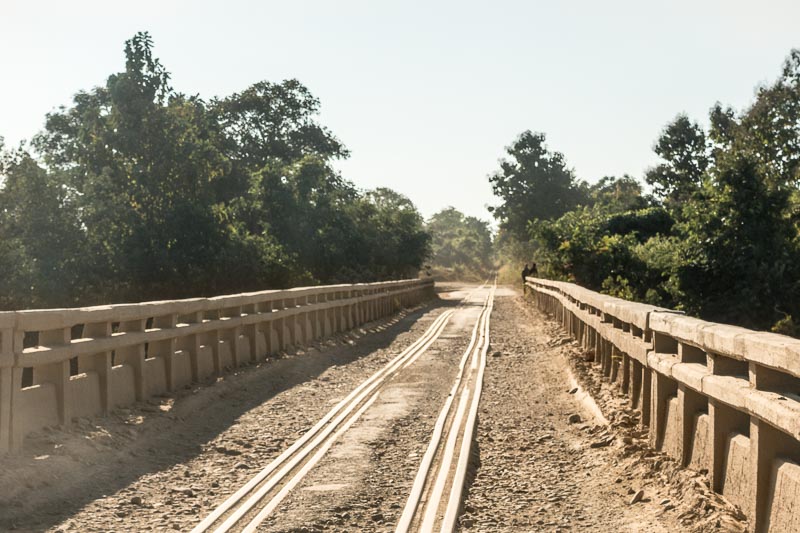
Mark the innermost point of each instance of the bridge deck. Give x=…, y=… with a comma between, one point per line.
x=168, y=463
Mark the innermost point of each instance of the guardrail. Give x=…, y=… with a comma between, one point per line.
x=59, y=364
x=718, y=398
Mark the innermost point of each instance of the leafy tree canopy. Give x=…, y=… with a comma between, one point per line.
x=721, y=236
x=136, y=191
x=460, y=243
x=533, y=183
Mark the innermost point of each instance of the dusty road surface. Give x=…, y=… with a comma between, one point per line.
x=367, y=431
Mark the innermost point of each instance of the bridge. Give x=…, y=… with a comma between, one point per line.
x=396, y=406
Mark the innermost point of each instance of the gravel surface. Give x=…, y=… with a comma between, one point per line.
x=363, y=483
x=545, y=462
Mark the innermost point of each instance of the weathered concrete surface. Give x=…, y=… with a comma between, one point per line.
x=132, y=352
x=721, y=398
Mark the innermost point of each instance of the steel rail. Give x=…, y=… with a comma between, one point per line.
x=300, y=449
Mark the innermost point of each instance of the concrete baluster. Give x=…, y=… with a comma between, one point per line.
x=100, y=363
x=359, y=293
x=330, y=319
x=767, y=444
x=300, y=327
x=340, y=308
x=308, y=319
x=251, y=333
x=212, y=339
x=231, y=334
x=279, y=326
x=663, y=389
x=56, y=373
x=6, y=378
x=353, y=310
x=133, y=356
x=191, y=343
x=647, y=394
x=290, y=322
x=165, y=350
x=270, y=327
x=624, y=382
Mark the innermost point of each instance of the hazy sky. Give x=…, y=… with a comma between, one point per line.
x=426, y=95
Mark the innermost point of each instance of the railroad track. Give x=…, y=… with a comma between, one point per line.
x=249, y=506
x=436, y=495
x=252, y=503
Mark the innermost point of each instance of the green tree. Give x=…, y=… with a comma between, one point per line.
x=143, y=160
x=533, y=183
x=741, y=264
x=683, y=148
x=397, y=242
x=460, y=242
x=617, y=195
x=171, y=196
x=42, y=252
x=269, y=124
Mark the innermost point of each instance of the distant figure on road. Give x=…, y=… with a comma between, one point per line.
x=525, y=273
x=533, y=271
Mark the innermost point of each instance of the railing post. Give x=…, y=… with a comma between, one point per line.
x=133, y=356
x=299, y=319
x=212, y=339
x=100, y=363
x=251, y=332
x=313, y=318
x=278, y=326
x=290, y=330
x=339, y=313
x=352, y=320
x=16, y=436
x=191, y=343
x=231, y=335
x=57, y=373
x=6, y=379
x=273, y=338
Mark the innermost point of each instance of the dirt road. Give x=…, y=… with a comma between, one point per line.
x=542, y=459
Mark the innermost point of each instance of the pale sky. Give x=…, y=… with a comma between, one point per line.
x=426, y=95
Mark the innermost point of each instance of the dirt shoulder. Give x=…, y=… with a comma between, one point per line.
x=545, y=462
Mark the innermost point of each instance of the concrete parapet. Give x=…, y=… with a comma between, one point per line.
x=715, y=397
x=84, y=362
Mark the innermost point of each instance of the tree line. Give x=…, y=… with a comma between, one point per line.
x=462, y=246
x=715, y=233
x=136, y=191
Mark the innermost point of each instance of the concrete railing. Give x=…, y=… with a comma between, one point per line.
x=58, y=364
x=715, y=397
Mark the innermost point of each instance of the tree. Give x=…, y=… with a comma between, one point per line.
x=684, y=149
x=398, y=242
x=136, y=191
x=617, y=195
x=269, y=123
x=769, y=130
x=532, y=184
x=741, y=260
x=42, y=250
x=460, y=242
x=143, y=161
